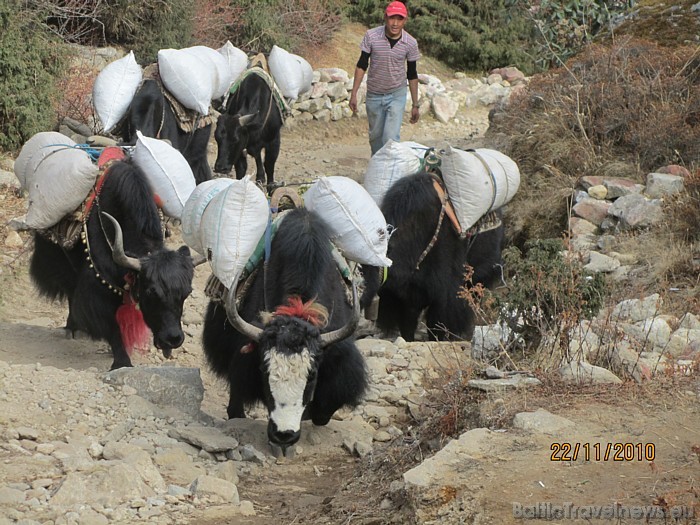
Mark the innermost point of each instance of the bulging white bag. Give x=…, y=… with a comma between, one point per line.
x=168, y=173
x=218, y=68
x=187, y=77
x=114, y=89
x=56, y=176
x=478, y=182
x=194, y=209
x=231, y=226
x=236, y=60
x=292, y=74
x=392, y=162
x=357, y=225
x=307, y=74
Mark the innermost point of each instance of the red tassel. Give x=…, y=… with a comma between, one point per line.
x=135, y=333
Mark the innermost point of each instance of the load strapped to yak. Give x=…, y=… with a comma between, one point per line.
x=62, y=180
x=472, y=184
x=232, y=223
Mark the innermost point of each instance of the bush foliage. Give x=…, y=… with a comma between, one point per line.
x=625, y=109
x=30, y=60
x=479, y=35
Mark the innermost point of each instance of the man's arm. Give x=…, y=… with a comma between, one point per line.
x=360, y=69
x=412, y=74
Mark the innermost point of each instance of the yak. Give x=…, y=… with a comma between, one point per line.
x=302, y=361
x=113, y=296
x=152, y=113
x=429, y=263
x=249, y=123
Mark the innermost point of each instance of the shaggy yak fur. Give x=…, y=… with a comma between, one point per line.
x=412, y=206
x=249, y=123
x=301, y=268
x=160, y=282
x=151, y=114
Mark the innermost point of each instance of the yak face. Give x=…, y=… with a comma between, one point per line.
x=231, y=139
x=164, y=282
x=291, y=354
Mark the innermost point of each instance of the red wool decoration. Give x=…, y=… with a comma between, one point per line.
x=135, y=333
x=306, y=311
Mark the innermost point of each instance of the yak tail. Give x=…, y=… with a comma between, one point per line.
x=135, y=333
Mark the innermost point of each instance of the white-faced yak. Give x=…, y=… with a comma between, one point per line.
x=300, y=360
x=120, y=280
x=430, y=263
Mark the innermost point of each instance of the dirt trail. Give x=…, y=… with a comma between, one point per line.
x=329, y=486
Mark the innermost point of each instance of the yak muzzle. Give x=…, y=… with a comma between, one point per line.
x=282, y=438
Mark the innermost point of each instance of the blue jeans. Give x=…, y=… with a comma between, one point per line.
x=385, y=114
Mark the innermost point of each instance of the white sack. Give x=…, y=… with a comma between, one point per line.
x=57, y=178
x=292, y=74
x=114, y=89
x=187, y=77
x=168, y=173
x=218, y=68
x=392, y=162
x=236, y=60
x=35, y=150
x=357, y=225
x=194, y=209
x=478, y=182
x=231, y=227
x=307, y=74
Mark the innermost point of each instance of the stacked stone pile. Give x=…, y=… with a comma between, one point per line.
x=329, y=96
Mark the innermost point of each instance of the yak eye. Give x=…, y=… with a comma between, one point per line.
x=150, y=291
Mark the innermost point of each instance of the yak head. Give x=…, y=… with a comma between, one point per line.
x=291, y=347
x=232, y=132
x=163, y=280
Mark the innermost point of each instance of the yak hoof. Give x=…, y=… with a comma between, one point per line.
x=116, y=365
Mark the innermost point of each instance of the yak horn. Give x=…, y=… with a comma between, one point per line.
x=214, y=113
x=244, y=120
x=121, y=258
x=244, y=327
x=349, y=328
x=198, y=259
x=279, y=194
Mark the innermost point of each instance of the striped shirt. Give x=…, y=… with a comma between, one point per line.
x=387, y=65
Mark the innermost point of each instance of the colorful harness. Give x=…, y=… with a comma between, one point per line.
x=282, y=105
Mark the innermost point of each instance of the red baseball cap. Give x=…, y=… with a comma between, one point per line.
x=397, y=8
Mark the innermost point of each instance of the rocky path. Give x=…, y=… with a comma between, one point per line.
x=81, y=446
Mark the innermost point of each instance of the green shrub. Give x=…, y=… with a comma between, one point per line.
x=30, y=60
x=295, y=25
x=147, y=26
x=479, y=35
x=548, y=293
x=475, y=35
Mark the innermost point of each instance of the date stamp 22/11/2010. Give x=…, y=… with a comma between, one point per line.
x=564, y=451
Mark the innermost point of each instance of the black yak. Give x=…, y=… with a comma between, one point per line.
x=152, y=113
x=301, y=361
x=107, y=290
x=250, y=122
x=428, y=267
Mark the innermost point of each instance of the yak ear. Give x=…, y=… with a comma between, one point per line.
x=184, y=250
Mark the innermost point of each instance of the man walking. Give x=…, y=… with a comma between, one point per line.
x=390, y=54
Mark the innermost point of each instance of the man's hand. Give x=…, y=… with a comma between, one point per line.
x=353, y=103
x=415, y=114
